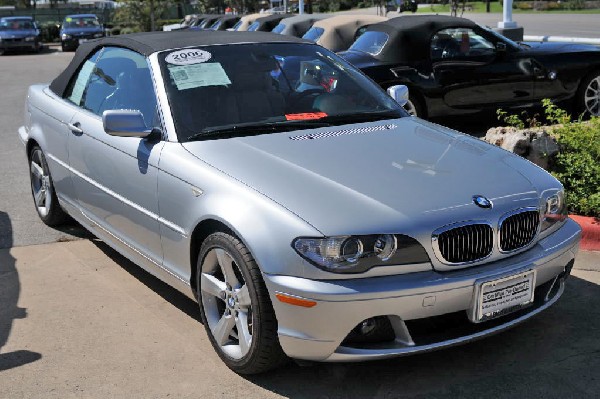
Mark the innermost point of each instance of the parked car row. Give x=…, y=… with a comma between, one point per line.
x=452, y=66
x=23, y=34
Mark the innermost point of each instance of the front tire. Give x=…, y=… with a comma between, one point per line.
x=42, y=189
x=588, y=95
x=235, y=307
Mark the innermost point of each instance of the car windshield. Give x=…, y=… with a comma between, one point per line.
x=254, y=27
x=314, y=34
x=501, y=37
x=237, y=25
x=371, y=42
x=16, y=24
x=81, y=22
x=263, y=88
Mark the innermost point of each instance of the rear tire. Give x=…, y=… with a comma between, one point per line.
x=588, y=95
x=235, y=307
x=42, y=190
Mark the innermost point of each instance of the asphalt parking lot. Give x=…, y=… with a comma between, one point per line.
x=78, y=320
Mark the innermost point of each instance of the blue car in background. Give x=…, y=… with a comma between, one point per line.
x=79, y=28
x=18, y=34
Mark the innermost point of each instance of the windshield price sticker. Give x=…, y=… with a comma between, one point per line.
x=199, y=75
x=188, y=57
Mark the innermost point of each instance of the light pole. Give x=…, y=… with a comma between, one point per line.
x=507, y=26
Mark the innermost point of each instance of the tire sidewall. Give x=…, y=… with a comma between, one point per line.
x=55, y=213
x=581, y=107
x=228, y=243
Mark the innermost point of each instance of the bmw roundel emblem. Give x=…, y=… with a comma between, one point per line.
x=482, y=202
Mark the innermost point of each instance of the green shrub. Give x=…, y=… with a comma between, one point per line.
x=577, y=165
x=576, y=4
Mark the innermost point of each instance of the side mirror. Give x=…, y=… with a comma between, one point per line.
x=399, y=93
x=501, y=47
x=125, y=123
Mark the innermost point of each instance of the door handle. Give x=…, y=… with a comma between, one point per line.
x=75, y=127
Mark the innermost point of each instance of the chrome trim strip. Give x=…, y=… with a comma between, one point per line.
x=347, y=354
x=124, y=200
x=169, y=272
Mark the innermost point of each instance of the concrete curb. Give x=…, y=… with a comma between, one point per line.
x=590, y=232
x=582, y=40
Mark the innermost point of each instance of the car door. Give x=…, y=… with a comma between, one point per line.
x=115, y=178
x=473, y=71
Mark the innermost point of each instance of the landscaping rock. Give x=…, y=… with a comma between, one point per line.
x=534, y=144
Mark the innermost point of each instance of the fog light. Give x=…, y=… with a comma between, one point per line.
x=367, y=326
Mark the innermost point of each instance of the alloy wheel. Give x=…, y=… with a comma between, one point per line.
x=591, y=98
x=40, y=183
x=226, y=303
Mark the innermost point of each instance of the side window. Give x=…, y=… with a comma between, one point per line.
x=77, y=86
x=461, y=44
x=116, y=79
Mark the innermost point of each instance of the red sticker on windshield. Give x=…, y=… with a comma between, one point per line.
x=305, y=116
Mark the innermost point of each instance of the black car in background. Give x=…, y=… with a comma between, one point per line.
x=453, y=66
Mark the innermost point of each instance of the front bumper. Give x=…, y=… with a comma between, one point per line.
x=411, y=303
x=18, y=45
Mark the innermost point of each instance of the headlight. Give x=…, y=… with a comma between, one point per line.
x=96, y=35
x=357, y=254
x=30, y=39
x=65, y=36
x=554, y=211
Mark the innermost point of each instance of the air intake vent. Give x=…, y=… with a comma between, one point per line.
x=464, y=244
x=360, y=130
x=518, y=230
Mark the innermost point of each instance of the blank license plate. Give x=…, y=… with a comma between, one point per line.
x=82, y=40
x=499, y=297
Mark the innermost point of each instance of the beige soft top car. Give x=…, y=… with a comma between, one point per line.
x=338, y=33
x=246, y=21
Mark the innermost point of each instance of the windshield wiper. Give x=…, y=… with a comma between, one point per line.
x=254, y=128
x=362, y=117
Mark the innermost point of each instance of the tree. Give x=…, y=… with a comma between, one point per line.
x=140, y=15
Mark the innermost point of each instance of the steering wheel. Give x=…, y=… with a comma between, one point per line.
x=300, y=96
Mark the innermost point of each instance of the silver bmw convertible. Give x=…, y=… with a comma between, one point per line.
x=296, y=201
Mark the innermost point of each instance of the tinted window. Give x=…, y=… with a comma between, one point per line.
x=16, y=24
x=258, y=84
x=116, y=79
x=460, y=44
x=279, y=28
x=237, y=25
x=80, y=22
x=314, y=34
x=371, y=42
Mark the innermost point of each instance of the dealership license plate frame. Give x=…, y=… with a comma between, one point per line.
x=487, y=286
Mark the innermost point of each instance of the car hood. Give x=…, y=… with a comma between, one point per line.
x=391, y=176
x=17, y=34
x=558, y=47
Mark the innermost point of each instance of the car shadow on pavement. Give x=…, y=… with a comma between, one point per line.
x=10, y=289
x=554, y=355
x=168, y=293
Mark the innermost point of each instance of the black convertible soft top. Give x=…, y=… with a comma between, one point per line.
x=152, y=42
x=410, y=36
